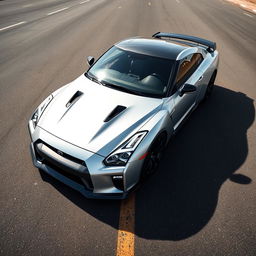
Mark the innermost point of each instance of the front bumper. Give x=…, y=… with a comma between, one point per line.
x=69, y=182
x=101, y=176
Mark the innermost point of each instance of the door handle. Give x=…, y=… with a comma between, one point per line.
x=200, y=78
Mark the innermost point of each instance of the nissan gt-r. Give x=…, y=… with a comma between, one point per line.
x=105, y=132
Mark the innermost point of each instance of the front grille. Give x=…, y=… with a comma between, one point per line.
x=67, y=156
x=80, y=178
x=70, y=176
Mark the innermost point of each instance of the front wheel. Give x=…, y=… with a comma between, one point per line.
x=153, y=158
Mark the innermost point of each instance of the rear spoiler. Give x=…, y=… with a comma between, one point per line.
x=211, y=45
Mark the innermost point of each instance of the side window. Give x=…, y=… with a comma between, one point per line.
x=187, y=68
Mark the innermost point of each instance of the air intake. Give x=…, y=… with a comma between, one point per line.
x=116, y=111
x=74, y=98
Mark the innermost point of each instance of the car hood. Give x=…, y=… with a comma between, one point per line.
x=95, y=117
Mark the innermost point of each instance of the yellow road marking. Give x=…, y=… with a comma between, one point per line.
x=125, y=237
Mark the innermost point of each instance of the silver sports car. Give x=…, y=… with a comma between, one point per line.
x=105, y=132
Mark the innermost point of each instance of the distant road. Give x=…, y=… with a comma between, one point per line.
x=203, y=199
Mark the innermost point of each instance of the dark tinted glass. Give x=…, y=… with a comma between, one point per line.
x=142, y=73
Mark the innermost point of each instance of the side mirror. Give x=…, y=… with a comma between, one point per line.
x=187, y=88
x=90, y=60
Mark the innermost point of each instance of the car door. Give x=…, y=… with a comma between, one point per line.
x=188, y=73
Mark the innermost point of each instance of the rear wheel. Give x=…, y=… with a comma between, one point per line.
x=210, y=86
x=153, y=158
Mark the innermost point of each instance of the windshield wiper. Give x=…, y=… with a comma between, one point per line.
x=93, y=78
x=114, y=86
x=120, y=88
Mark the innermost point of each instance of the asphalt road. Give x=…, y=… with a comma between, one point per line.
x=202, y=201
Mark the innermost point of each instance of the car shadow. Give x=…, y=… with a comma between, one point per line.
x=180, y=199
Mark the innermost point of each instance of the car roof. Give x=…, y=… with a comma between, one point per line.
x=152, y=47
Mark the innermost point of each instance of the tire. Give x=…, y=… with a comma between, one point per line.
x=210, y=86
x=153, y=158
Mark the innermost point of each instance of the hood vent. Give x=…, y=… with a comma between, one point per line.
x=74, y=98
x=116, y=111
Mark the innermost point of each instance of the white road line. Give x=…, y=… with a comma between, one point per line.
x=14, y=25
x=86, y=1
x=149, y=3
x=247, y=14
x=60, y=10
x=178, y=1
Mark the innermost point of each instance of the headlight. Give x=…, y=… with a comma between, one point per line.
x=122, y=154
x=39, y=111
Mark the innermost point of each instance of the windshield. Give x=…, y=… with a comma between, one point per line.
x=132, y=72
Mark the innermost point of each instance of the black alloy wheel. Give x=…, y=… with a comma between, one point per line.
x=153, y=157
